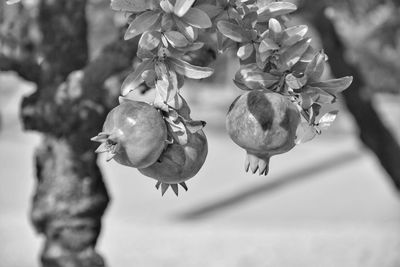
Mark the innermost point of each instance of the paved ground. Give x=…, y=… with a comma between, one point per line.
x=326, y=203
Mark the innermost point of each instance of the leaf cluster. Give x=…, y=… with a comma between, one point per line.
x=279, y=58
x=168, y=30
x=273, y=56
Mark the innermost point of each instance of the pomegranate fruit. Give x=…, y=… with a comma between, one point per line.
x=178, y=163
x=264, y=123
x=134, y=134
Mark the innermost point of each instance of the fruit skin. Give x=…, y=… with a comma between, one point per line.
x=138, y=133
x=264, y=123
x=179, y=163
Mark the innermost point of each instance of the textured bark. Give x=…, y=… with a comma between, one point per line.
x=68, y=107
x=70, y=197
x=373, y=133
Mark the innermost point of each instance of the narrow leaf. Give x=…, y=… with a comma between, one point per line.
x=334, y=86
x=189, y=70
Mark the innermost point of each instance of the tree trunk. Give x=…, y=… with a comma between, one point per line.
x=373, y=133
x=69, y=107
x=70, y=196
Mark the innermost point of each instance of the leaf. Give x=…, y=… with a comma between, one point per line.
x=141, y=23
x=193, y=47
x=162, y=87
x=232, y=31
x=129, y=5
x=275, y=30
x=295, y=82
x=167, y=22
x=173, y=86
x=177, y=128
x=261, y=57
x=150, y=40
x=267, y=45
x=189, y=70
x=159, y=101
x=275, y=9
x=211, y=10
x=293, y=34
x=182, y=7
x=195, y=126
x=316, y=67
x=304, y=133
x=241, y=85
x=318, y=95
x=293, y=54
x=334, y=86
x=254, y=78
x=187, y=30
x=135, y=78
x=149, y=77
x=166, y=6
x=306, y=58
x=245, y=51
x=176, y=39
x=145, y=54
x=197, y=18
x=326, y=121
x=181, y=106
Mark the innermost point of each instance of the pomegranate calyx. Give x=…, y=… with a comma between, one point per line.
x=165, y=186
x=254, y=163
x=108, y=145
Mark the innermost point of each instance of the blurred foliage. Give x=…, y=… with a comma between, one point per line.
x=371, y=30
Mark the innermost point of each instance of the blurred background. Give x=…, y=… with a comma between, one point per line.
x=328, y=202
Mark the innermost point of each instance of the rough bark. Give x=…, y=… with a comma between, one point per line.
x=372, y=131
x=68, y=107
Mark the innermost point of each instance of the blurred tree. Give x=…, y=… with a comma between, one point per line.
x=373, y=132
x=46, y=42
